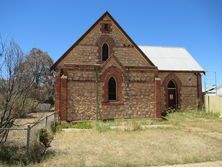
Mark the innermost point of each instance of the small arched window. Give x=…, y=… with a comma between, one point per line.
x=105, y=52
x=172, y=95
x=111, y=89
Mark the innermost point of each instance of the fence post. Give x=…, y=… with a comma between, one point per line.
x=28, y=141
x=54, y=115
x=208, y=103
x=46, y=121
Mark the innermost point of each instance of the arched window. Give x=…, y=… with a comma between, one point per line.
x=105, y=52
x=111, y=89
x=172, y=95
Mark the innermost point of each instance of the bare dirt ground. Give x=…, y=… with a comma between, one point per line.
x=20, y=136
x=203, y=164
x=30, y=119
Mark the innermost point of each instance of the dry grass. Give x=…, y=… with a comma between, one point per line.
x=149, y=147
x=192, y=138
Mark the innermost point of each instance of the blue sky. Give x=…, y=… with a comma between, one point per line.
x=54, y=25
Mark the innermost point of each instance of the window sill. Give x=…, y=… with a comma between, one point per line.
x=112, y=103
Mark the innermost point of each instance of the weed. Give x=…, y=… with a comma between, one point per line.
x=102, y=127
x=133, y=125
x=83, y=125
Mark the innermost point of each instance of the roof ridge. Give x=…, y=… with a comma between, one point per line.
x=162, y=46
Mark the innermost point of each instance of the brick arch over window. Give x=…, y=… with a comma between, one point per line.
x=178, y=84
x=105, y=39
x=116, y=74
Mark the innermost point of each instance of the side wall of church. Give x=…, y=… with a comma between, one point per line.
x=188, y=89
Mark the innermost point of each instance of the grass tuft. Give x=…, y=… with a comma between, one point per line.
x=191, y=115
x=79, y=125
x=102, y=126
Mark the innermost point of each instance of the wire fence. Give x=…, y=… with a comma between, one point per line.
x=25, y=136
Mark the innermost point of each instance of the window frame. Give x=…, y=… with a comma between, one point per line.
x=108, y=48
x=116, y=73
x=116, y=91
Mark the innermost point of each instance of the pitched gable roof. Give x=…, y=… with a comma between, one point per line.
x=171, y=58
x=115, y=22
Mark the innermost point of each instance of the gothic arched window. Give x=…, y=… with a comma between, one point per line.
x=172, y=95
x=112, y=89
x=105, y=52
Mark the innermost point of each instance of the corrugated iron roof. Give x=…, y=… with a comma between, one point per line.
x=171, y=58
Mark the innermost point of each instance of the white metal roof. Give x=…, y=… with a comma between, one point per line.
x=171, y=58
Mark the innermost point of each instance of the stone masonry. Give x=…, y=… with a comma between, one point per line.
x=82, y=79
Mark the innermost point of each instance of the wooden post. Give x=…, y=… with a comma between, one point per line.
x=46, y=121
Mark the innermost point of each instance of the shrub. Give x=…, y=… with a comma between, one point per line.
x=54, y=127
x=45, y=137
x=12, y=154
x=37, y=151
x=39, y=147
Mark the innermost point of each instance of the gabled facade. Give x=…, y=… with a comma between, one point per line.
x=106, y=75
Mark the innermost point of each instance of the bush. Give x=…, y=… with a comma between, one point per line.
x=54, y=127
x=11, y=154
x=37, y=151
x=39, y=147
x=45, y=137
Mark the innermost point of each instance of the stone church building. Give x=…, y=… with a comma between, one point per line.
x=106, y=75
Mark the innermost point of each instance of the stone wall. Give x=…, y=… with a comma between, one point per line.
x=140, y=93
x=137, y=101
x=138, y=97
x=87, y=51
x=188, y=90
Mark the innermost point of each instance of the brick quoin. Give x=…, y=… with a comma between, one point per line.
x=63, y=96
x=158, y=97
x=57, y=93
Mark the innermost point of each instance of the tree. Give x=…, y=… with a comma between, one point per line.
x=15, y=85
x=25, y=81
x=40, y=70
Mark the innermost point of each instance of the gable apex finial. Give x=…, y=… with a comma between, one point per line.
x=107, y=13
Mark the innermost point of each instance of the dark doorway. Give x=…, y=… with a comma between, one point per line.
x=172, y=95
x=112, y=89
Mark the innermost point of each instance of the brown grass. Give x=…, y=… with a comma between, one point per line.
x=194, y=139
x=191, y=138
